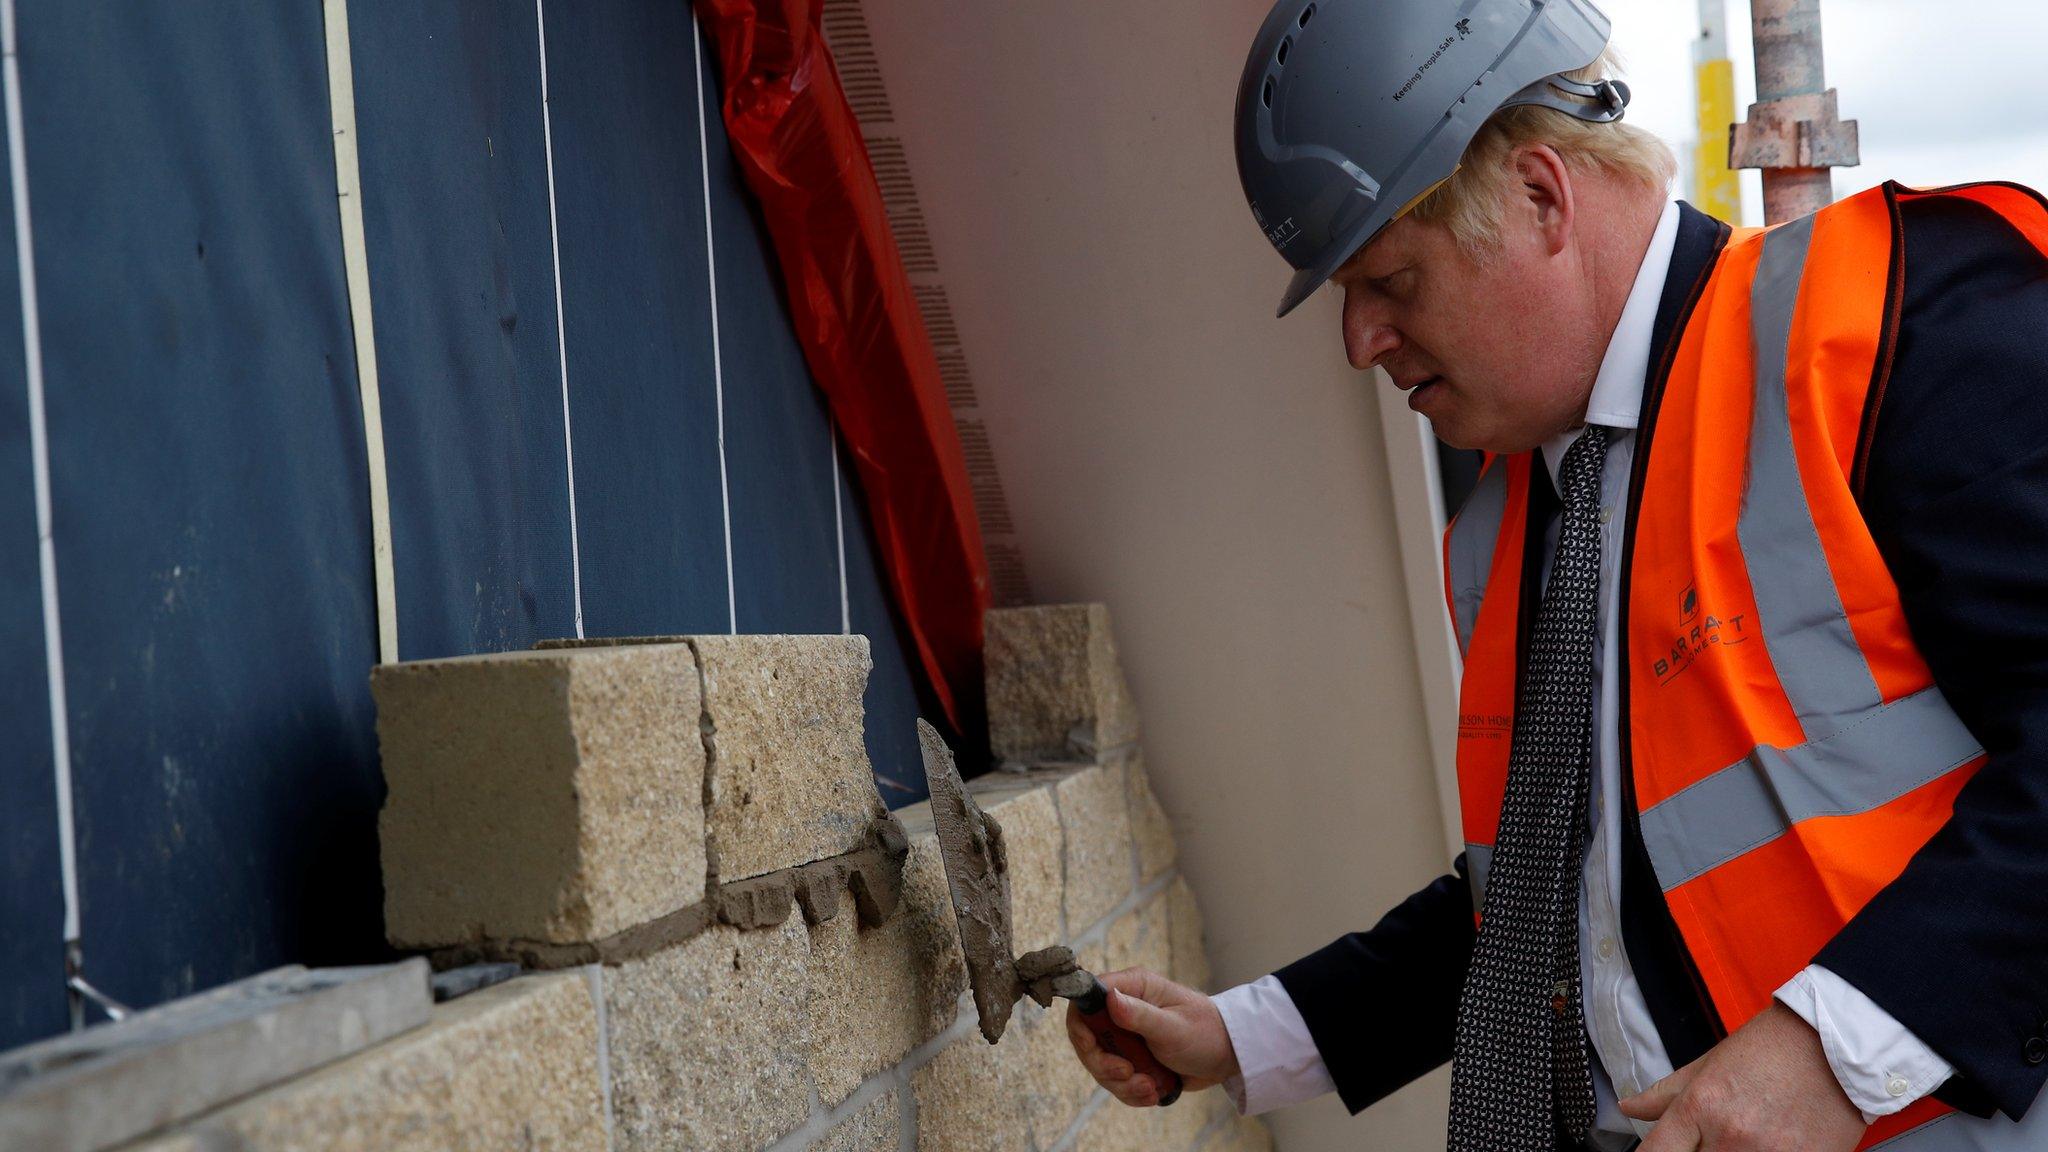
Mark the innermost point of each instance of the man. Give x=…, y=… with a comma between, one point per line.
x=1752, y=597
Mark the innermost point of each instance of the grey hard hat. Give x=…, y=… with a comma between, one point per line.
x=1350, y=110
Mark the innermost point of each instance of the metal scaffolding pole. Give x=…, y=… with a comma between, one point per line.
x=1795, y=132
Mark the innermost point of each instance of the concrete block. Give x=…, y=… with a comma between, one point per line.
x=1242, y=1135
x=551, y=796
x=970, y=1097
x=93, y=1089
x=710, y=1040
x=1115, y=1127
x=1141, y=938
x=511, y=1066
x=789, y=776
x=876, y=993
x=1182, y=1126
x=1055, y=1086
x=876, y=1127
x=1149, y=825
x=928, y=904
x=1033, y=846
x=1096, y=822
x=1094, y=955
x=1217, y=1110
x=1056, y=690
x=1184, y=930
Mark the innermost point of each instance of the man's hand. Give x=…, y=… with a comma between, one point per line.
x=1767, y=1088
x=1180, y=1025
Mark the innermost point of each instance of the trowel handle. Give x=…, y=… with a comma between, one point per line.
x=1094, y=1008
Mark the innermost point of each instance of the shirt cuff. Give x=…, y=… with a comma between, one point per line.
x=1881, y=1066
x=1277, y=1060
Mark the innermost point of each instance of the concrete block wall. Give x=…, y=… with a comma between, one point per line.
x=735, y=946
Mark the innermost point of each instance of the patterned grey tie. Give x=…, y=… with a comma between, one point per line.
x=1519, y=1072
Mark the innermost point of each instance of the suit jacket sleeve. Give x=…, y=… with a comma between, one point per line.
x=1383, y=1005
x=1956, y=494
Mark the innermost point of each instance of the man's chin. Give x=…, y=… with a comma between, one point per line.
x=1453, y=432
x=1456, y=433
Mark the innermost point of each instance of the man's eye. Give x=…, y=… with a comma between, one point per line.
x=1392, y=281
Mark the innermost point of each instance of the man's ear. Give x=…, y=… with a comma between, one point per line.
x=1546, y=186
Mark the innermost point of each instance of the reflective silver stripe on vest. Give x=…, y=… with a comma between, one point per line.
x=1878, y=758
x=1956, y=1132
x=1860, y=753
x=1804, y=628
x=1473, y=535
x=1478, y=862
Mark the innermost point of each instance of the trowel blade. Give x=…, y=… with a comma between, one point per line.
x=971, y=845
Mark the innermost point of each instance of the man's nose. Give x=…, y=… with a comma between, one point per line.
x=1368, y=337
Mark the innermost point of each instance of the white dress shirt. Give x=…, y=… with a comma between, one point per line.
x=1881, y=1066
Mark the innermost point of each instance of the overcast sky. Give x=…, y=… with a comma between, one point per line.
x=1946, y=91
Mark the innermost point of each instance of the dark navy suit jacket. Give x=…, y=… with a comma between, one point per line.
x=1953, y=482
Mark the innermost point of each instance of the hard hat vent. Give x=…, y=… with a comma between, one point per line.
x=1280, y=57
x=1266, y=96
x=1307, y=14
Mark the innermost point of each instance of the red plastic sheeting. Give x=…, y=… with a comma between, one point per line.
x=801, y=149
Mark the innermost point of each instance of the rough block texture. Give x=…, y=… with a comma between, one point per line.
x=876, y=1127
x=928, y=903
x=790, y=780
x=1033, y=845
x=1141, y=938
x=969, y=1098
x=512, y=1066
x=1244, y=1135
x=1055, y=1086
x=1097, y=825
x=553, y=796
x=1184, y=927
x=1056, y=690
x=710, y=1041
x=1114, y=1127
x=876, y=993
x=1149, y=825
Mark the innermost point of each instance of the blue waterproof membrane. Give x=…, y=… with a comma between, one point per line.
x=896, y=695
x=31, y=886
x=778, y=435
x=455, y=205
x=636, y=305
x=208, y=458
x=211, y=511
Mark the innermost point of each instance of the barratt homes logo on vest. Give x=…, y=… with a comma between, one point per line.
x=1695, y=635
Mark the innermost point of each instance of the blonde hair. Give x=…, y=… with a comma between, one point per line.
x=1472, y=203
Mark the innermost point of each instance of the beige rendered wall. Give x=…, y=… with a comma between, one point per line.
x=1214, y=475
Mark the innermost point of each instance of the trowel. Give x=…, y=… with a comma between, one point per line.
x=978, y=875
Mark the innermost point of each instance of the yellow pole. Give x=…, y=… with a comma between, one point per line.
x=1715, y=188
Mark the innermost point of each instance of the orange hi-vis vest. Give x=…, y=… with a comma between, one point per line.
x=1786, y=746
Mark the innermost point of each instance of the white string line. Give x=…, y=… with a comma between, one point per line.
x=732, y=614
x=839, y=530
x=547, y=130
x=39, y=455
x=348, y=181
